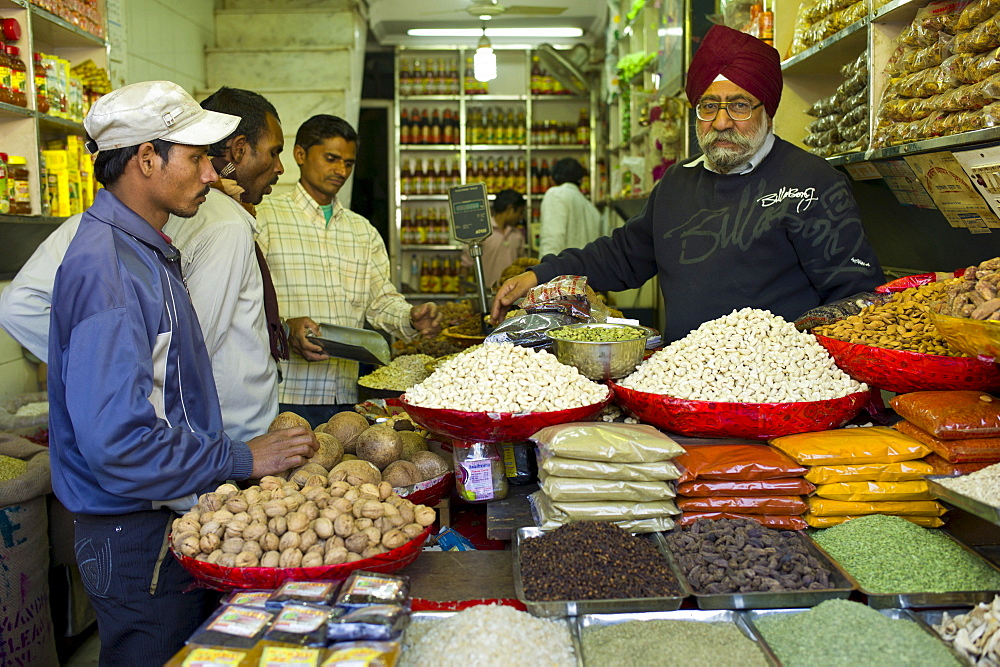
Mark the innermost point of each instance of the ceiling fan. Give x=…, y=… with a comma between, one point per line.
x=492, y=8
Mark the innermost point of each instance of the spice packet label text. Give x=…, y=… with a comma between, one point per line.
x=213, y=657
x=240, y=622
x=289, y=657
x=299, y=620
x=306, y=589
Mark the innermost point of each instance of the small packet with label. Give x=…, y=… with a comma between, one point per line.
x=311, y=592
x=256, y=599
x=362, y=654
x=364, y=588
x=376, y=622
x=201, y=656
x=233, y=626
x=300, y=624
x=277, y=655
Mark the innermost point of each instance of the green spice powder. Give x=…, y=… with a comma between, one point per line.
x=662, y=642
x=839, y=632
x=888, y=554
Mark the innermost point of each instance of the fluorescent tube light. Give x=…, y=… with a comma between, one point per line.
x=495, y=32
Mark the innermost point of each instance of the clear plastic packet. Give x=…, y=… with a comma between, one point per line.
x=548, y=517
x=791, y=505
x=900, y=471
x=608, y=442
x=875, y=491
x=736, y=462
x=838, y=310
x=609, y=510
x=975, y=13
x=872, y=444
x=983, y=37
x=299, y=624
x=362, y=654
x=787, y=486
x=281, y=655
x=193, y=654
x=480, y=472
x=233, y=626
x=312, y=592
x=529, y=330
x=364, y=588
x=566, y=294
x=249, y=598
x=377, y=622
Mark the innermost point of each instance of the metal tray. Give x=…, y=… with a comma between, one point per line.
x=896, y=614
x=695, y=615
x=439, y=615
x=843, y=585
x=576, y=607
x=970, y=505
x=928, y=618
x=349, y=343
x=946, y=599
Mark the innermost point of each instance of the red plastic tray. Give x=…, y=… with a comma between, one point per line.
x=906, y=282
x=902, y=371
x=429, y=492
x=231, y=578
x=496, y=426
x=714, y=419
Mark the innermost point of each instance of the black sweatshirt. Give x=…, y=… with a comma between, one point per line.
x=785, y=237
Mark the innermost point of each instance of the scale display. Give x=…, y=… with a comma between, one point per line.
x=470, y=212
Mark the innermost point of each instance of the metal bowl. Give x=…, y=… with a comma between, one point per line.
x=600, y=360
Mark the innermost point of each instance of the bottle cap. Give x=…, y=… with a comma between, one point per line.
x=11, y=29
x=3, y=157
x=13, y=50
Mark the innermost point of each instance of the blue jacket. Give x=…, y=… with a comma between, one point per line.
x=134, y=417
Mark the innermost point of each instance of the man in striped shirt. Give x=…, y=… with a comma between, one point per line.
x=329, y=265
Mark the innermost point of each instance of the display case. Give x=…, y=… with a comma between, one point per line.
x=452, y=129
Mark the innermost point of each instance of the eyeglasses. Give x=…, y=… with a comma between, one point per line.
x=739, y=110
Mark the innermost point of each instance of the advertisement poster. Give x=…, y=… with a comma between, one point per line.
x=946, y=181
x=904, y=183
x=983, y=167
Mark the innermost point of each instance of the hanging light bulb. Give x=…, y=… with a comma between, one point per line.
x=484, y=63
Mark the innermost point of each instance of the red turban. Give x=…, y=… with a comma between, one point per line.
x=743, y=59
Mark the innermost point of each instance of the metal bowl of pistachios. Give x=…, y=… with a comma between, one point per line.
x=599, y=350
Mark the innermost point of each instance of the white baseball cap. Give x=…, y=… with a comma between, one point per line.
x=151, y=110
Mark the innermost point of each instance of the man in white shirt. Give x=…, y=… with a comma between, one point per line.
x=569, y=220
x=218, y=262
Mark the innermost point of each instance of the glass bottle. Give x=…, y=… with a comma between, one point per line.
x=435, y=133
x=5, y=77
x=417, y=181
x=583, y=128
x=425, y=128
x=18, y=177
x=536, y=76
x=455, y=176
x=405, y=77
x=406, y=178
x=4, y=194
x=18, y=77
x=41, y=92
x=404, y=127
x=447, y=128
x=470, y=78
x=521, y=177
x=521, y=129
x=425, y=276
x=417, y=78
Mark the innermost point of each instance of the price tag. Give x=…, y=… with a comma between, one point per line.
x=470, y=212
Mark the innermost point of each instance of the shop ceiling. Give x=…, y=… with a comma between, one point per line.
x=389, y=20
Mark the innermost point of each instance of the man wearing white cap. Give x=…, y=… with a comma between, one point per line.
x=134, y=421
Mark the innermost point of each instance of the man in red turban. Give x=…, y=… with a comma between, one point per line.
x=753, y=221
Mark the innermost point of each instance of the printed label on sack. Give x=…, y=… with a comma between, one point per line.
x=286, y=656
x=213, y=657
x=299, y=620
x=240, y=622
x=479, y=478
x=306, y=589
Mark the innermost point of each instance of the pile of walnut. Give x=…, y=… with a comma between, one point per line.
x=328, y=520
x=975, y=294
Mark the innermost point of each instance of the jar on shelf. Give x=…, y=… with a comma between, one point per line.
x=4, y=197
x=41, y=84
x=480, y=474
x=18, y=76
x=5, y=91
x=18, y=187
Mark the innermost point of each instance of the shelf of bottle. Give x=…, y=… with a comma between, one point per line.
x=61, y=124
x=496, y=98
x=54, y=29
x=559, y=98
x=496, y=147
x=13, y=111
x=430, y=98
x=437, y=197
x=430, y=247
x=430, y=147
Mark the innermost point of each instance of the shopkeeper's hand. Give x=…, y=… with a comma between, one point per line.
x=426, y=319
x=298, y=327
x=509, y=292
x=281, y=450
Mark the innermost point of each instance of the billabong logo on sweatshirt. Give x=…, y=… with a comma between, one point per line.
x=806, y=198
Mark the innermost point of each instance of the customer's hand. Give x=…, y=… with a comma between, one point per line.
x=509, y=292
x=426, y=319
x=281, y=450
x=298, y=327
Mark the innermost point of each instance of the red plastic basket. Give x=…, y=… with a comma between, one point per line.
x=496, y=426
x=902, y=371
x=714, y=419
x=429, y=492
x=231, y=578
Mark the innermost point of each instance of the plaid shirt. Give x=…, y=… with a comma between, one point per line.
x=335, y=274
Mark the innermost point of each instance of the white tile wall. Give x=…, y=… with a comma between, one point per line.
x=17, y=375
x=167, y=40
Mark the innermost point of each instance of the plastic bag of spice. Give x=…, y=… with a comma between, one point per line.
x=776, y=521
x=875, y=491
x=735, y=462
x=979, y=450
x=208, y=655
x=632, y=472
x=827, y=507
x=871, y=444
x=529, y=330
x=900, y=471
x=233, y=626
x=816, y=521
x=951, y=415
x=791, y=505
x=574, y=489
x=601, y=441
x=548, y=514
x=838, y=310
x=785, y=486
x=942, y=466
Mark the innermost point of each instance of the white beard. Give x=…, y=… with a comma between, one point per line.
x=725, y=159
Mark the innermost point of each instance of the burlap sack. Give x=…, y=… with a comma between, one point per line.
x=25, y=424
x=26, y=633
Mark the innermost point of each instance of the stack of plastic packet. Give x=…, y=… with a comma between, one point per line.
x=859, y=471
x=595, y=471
x=961, y=427
x=737, y=481
x=841, y=124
